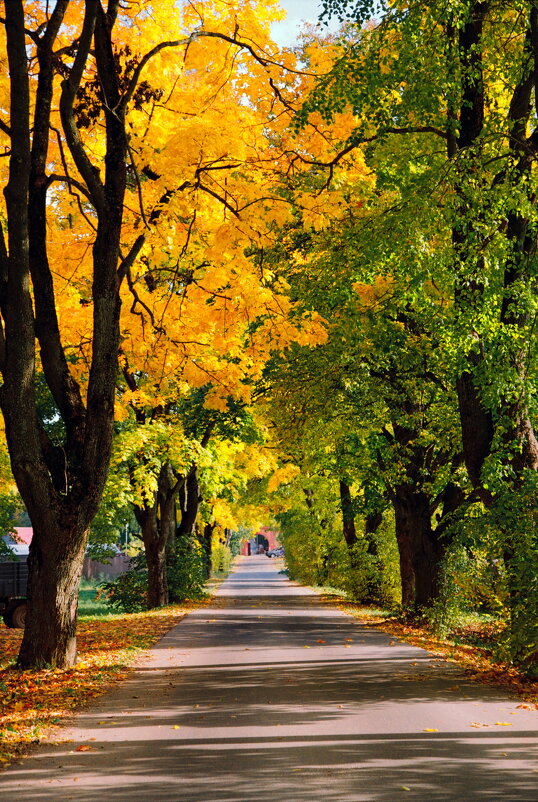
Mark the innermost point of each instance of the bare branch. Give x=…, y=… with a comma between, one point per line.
x=70, y=87
x=219, y=198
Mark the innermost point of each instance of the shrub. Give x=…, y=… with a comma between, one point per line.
x=186, y=578
x=221, y=559
x=128, y=592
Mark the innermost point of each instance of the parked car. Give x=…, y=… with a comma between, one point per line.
x=278, y=552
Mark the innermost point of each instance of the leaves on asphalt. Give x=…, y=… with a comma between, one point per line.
x=32, y=701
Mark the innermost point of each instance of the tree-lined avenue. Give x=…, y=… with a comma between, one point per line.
x=270, y=694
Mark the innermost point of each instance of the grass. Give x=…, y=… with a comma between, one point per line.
x=90, y=602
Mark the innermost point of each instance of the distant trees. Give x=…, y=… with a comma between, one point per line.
x=440, y=253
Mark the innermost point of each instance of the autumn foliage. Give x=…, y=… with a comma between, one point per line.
x=33, y=702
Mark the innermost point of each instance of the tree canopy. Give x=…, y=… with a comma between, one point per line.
x=240, y=283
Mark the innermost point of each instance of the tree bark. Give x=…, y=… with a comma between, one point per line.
x=190, y=505
x=419, y=550
x=372, y=523
x=348, y=517
x=207, y=543
x=154, y=539
x=157, y=525
x=55, y=563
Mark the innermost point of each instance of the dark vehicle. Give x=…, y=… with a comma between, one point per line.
x=13, y=581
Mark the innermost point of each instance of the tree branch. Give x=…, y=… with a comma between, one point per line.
x=70, y=87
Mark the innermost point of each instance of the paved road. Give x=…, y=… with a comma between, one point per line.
x=270, y=696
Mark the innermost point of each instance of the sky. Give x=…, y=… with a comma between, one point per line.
x=285, y=33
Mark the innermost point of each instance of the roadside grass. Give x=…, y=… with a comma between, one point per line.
x=91, y=601
x=33, y=702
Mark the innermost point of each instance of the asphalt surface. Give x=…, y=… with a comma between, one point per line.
x=271, y=696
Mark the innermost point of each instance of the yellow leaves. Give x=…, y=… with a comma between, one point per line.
x=282, y=476
x=318, y=210
x=372, y=294
x=214, y=400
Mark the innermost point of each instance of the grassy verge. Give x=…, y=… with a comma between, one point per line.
x=470, y=645
x=31, y=702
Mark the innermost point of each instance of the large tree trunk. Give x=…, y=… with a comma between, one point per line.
x=419, y=550
x=61, y=484
x=55, y=563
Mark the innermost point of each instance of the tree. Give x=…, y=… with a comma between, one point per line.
x=61, y=486
x=481, y=115
x=453, y=121
x=64, y=210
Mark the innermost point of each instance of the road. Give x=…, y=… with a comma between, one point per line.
x=271, y=696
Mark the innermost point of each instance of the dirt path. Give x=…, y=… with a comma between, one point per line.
x=270, y=696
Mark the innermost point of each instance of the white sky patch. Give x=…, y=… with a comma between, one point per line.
x=299, y=11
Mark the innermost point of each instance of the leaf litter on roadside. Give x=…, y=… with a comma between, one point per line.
x=34, y=701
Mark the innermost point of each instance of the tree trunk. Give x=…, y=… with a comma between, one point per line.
x=157, y=524
x=207, y=543
x=190, y=504
x=55, y=562
x=372, y=523
x=154, y=539
x=420, y=552
x=348, y=517
x=61, y=484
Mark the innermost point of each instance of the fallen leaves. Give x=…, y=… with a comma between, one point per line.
x=497, y=724
x=475, y=659
x=33, y=701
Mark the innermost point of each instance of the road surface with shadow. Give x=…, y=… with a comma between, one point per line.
x=271, y=696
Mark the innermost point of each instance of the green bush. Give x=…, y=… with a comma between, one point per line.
x=221, y=559
x=317, y=556
x=128, y=592
x=185, y=574
x=186, y=578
